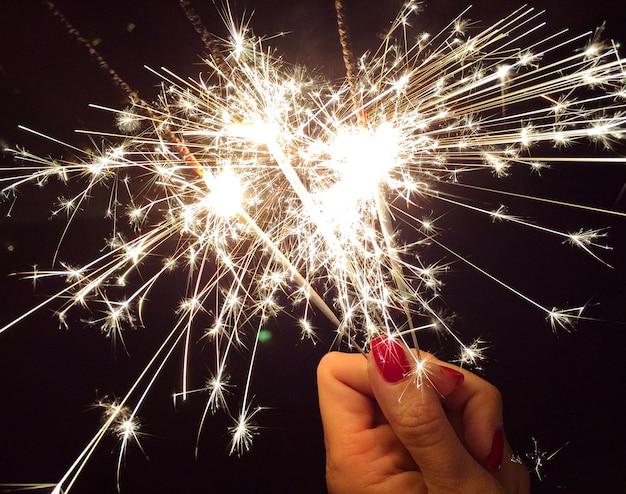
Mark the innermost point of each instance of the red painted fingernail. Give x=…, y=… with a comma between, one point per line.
x=452, y=374
x=494, y=460
x=391, y=359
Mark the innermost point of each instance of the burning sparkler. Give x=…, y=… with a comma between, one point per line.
x=274, y=189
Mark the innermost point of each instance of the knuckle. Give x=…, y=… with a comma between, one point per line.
x=420, y=425
x=493, y=395
x=326, y=365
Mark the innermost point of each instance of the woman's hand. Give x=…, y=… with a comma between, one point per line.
x=383, y=433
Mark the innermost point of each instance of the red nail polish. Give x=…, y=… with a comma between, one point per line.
x=494, y=460
x=453, y=375
x=391, y=359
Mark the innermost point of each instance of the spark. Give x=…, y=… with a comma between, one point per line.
x=243, y=432
x=472, y=354
x=538, y=458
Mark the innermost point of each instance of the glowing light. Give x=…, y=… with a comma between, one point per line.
x=226, y=194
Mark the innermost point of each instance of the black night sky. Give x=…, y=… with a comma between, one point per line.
x=565, y=389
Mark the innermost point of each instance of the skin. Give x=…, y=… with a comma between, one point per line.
x=397, y=437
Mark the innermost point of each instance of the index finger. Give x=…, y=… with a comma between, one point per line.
x=345, y=395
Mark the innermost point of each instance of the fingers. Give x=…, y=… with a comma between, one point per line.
x=420, y=421
x=478, y=404
x=361, y=449
x=345, y=395
x=448, y=431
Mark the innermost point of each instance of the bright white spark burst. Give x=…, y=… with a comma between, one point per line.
x=265, y=184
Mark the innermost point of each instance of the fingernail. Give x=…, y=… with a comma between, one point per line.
x=391, y=359
x=452, y=374
x=494, y=460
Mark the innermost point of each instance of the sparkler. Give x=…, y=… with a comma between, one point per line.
x=274, y=190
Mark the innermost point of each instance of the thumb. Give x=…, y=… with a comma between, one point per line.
x=416, y=415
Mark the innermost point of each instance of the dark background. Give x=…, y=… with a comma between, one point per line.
x=565, y=389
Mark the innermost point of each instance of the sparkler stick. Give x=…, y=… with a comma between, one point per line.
x=267, y=137
x=386, y=223
x=205, y=36
x=93, y=53
x=311, y=294
x=348, y=61
x=222, y=67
